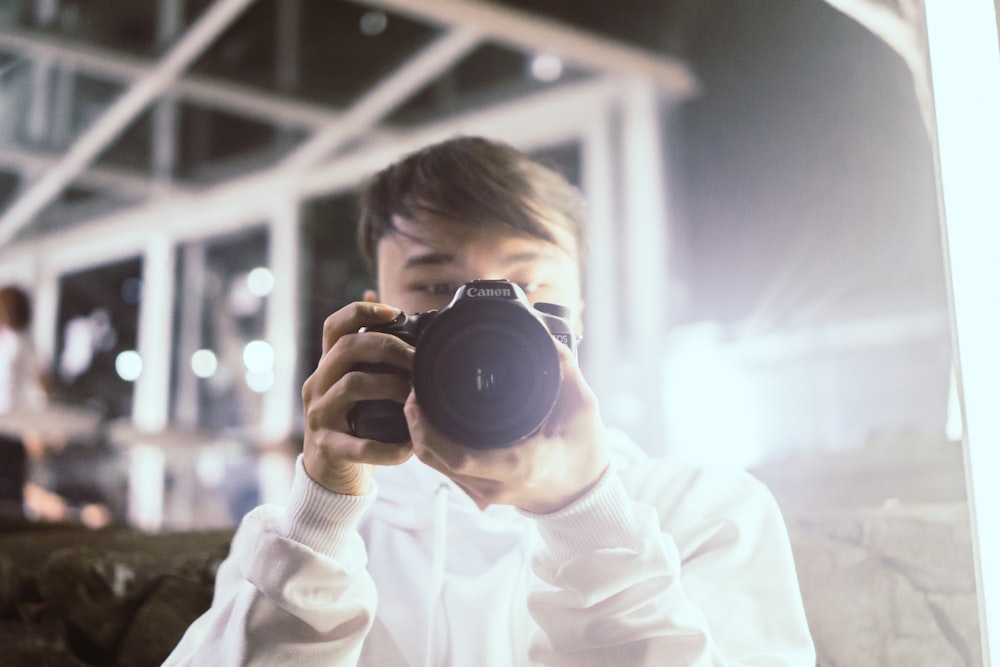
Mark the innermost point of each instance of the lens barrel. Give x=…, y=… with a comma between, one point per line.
x=486, y=373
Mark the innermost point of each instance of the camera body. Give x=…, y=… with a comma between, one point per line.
x=486, y=371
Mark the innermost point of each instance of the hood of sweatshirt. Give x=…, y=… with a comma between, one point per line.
x=415, y=498
x=421, y=501
x=406, y=492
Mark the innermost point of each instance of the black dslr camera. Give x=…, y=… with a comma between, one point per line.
x=486, y=370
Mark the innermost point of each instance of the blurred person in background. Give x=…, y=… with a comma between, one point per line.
x=20, y=374
x=570, y=547
x=26, y=433
x=21, y=390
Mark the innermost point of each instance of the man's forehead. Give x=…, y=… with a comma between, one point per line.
x=505, y=251
x=440, y=241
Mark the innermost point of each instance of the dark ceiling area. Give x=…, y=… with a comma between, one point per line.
x=806, y=165
x=310, y=64
x=802, y=155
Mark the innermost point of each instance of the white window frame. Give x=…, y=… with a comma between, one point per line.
x=965, y=71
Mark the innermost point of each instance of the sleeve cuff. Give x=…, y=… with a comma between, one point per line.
x=321, y=519
x=603, y=518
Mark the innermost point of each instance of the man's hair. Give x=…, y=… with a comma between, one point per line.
x=471, y=181
x=15, y=303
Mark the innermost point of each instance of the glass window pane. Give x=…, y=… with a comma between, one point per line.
x=222, y=363
x=333, y=273
x=96, y=361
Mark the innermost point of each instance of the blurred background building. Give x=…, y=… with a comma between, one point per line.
x=178, y=183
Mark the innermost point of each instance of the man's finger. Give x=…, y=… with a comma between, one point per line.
x=353, y=317
x=353, y=349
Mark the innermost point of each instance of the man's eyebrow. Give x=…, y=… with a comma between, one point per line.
x=429, y=259
x=528, y=256
x=438, y=258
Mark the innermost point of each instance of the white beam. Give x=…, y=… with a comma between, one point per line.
x=190, y=324
x=151, y=398
x=206, y=91
x=104, y=178
x=278, y=410
x=62, y=106
x=385, y=96
x=46, y=315
x=559, y=115
x=965, y=66
x=646, y=231
x=163, y=139
x=40, y=100
x=19, y=270
x=532, y=33
x=602, y=287
x=121, y=112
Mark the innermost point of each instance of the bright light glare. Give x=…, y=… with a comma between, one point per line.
x=210, y=467
x=128, y=364
x=146, y=473
x=713, y=415
x=258, y=356
x=965, y=66
x=204, y=363
x=260, y=381
x=546, y=67
x=260, y=281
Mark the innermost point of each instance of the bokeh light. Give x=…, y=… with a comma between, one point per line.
x=128, y=365
x=260, y=281
x=546, y=67
x=204, y=363
x=260, y=381
x=258, y=356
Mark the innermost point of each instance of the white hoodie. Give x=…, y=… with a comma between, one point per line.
x=661, y=563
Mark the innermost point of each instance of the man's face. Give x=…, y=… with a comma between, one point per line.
x=421, y=267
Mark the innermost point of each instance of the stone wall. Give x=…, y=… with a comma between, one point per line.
x=890, y=586
x=883, y=548
x=74, y=597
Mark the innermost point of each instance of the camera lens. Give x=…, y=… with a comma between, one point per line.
x=486, y=373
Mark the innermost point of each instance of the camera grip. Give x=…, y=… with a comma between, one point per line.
x=381, y=420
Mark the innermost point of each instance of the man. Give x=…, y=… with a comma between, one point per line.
x=570, y=548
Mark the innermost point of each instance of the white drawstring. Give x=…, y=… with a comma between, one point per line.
x=438, y=553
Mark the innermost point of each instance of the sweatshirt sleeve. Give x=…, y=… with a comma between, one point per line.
x=678, y=570
x=293, y=590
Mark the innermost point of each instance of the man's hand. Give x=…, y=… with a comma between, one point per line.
x=333, y=457
x=542, y=474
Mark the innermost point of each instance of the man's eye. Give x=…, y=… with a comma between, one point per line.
x=529, y=287
x=438, y=289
